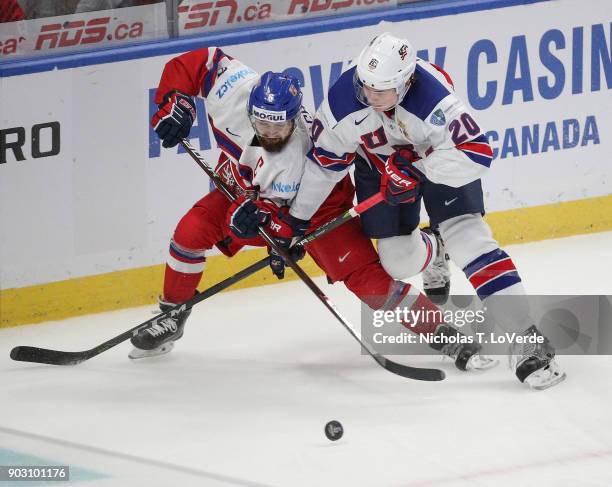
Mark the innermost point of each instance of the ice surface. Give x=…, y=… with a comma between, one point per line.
x=244, y=397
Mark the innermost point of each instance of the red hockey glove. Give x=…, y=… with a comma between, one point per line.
x=400, y=181
x=174, y=119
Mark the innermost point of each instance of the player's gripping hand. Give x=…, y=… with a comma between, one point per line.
x=174, y=119
x=286, y=230
x=246, y=216
x=277, y=263
x=400, y=181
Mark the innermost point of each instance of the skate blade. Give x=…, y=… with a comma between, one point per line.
x=545, y=378
x=137, y=353
x=481, y=362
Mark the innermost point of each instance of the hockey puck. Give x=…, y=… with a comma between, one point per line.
x=334, y=430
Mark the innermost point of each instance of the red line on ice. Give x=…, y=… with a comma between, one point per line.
x=512, y=469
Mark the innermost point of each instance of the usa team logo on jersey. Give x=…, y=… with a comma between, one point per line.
x=438, y=118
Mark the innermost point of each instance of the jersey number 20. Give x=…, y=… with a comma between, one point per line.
x=466, y=122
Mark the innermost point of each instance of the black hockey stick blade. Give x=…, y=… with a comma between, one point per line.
x=47, y=356
x=415, y=373
x=58, y=357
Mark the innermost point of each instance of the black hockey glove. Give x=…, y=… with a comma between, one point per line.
x=174, y=119
x=285, y=229
x=277, y=263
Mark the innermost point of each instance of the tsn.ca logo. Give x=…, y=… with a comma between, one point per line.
x=79, y=32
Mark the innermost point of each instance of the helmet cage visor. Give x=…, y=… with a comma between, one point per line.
x=272, y=129
x=360, y=92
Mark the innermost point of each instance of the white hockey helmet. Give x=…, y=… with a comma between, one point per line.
x=387, y=62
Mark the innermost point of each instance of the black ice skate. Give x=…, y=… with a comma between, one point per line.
x=453, y=343
x=159, y=337
x=436, y=277
x=534, y=363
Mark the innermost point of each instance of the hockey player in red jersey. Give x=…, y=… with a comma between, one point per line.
x=420, y=142
x=263, y=131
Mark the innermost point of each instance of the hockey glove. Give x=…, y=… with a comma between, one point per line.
x=174, y=119
x=277, y=263
x=286, y=229
x=246, y=216
x=400, y=181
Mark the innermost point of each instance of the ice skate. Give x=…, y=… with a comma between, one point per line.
x=436, y=277
x=534, y=363
x=456, y=345
x=159, y=337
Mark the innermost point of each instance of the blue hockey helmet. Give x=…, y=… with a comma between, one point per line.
x=276, y=98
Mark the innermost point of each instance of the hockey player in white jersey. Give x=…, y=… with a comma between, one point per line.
x=418, y=141
x=262, y=129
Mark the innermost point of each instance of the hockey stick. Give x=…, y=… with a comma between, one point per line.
x=58, y=357
x=394, y=367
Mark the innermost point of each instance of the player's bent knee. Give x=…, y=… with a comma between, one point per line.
x=402, y=256
x=466, y=237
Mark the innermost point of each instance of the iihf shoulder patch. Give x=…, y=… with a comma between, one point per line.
x=438, y=118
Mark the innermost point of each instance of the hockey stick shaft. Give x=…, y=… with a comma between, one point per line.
x=58, y=357
x=399, y=369
x=342, y=218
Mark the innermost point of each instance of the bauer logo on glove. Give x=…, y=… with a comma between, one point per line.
x=400, y=181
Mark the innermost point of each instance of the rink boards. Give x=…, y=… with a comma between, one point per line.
x=88, y=199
